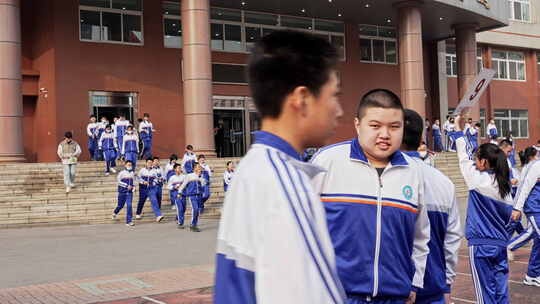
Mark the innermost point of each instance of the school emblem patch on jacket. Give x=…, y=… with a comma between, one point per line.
x=408, y=192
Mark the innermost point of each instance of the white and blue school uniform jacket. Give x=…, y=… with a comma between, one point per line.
x=120, y=127
x=187, y=162
x=100, y=129
x=492, y=131
x=192, y=185
x=379, y=225
x=107, y=141
x=130, y=143
x=445, y=227
x=273, y=243
x=175, y=181
x=125, y=179
x=160, y=176
x=145, y=130
x=169, y=170
x=146, y=175
x=436, y=130
x=487, y=212
x=91, y=129
x=227, y=179
x=528, y=194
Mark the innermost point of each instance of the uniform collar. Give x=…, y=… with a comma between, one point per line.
x=396, y=159
x=412, y=154
x=276, y=142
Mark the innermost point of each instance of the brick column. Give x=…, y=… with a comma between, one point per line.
x=466, y=62
x=411, y=68
x=11, y=108
x=197, y=73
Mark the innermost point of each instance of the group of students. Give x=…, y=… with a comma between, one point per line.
x=187, y=181
x=471, y=131
x=365, y=221
x=120, y=140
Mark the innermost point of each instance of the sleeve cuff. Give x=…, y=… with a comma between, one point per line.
x=415, y=289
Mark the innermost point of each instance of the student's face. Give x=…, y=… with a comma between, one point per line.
x=437, y=122
x=178, y=170
x=507, y=150
x=108, y=130
x=380, y=132
x=322, y=113
x=156, y=162
x=197, y=169
x=92, y=119
x=130, y=131
x=230, y=167
x=481, y=164
x=202, y=160
x=146, y=118
x=149, y=163
x=129, y=167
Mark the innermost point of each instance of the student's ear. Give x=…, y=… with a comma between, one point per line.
x=357, y=125
x=299, y=100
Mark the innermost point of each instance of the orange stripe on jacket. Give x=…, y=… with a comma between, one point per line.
x=331, y=200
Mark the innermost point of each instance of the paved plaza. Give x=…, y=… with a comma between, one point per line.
x=149, y=263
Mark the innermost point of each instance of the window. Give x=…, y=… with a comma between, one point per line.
x=237, y=31
x=451, y=60
x=229, y=73
x=515, y=121
x=519, y=10
x=117, y=21
x=377, y=44
x=508, y=65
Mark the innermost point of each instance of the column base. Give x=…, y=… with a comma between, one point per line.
x=14, y=158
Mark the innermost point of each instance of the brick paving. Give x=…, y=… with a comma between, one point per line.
x=193, y=285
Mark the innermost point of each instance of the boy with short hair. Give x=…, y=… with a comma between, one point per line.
x=92, y=141
x=107, y=144
x=169, y=172
x=126, y=187
x=146, y=131
x=147, y=189
x=174, y=183
x=100, y=128
x=120, y=127
x=206, y=174
x=373, y=195
x=160, y=180
x=189, y=159
x=273, y=243
x=192, y=190
x=130, y=146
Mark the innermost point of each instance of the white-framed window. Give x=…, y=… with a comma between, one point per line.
x=508, y=65
x=237, y=31
x=451, y=60
x=515, y=121
x=520, y=10
x=378, y=44
x=229, y=73
x=111, y=21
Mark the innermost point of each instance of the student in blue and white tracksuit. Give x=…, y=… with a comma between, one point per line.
x=228, y=175
x=451, y=130
x=148, y=190
x=437, y=137
x=126, y=187
x=188, y=160
x=120, y=128
x=507, y=147
x=374, y=199
x=273, y=243
x=487, y=176
x=472, y=135
x=100, y=128
x=173, y=184
x=130, y=146
x=160, y=180
x=443, y=213
x=528, y=202
x=492, y=132
x=192, y=189
x=146, y=132
x=206, y=174
x=107, y=144
x=92, y=140
x=169, y=172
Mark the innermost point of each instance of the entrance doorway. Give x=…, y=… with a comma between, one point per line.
x=235, y=121
x=110, y=104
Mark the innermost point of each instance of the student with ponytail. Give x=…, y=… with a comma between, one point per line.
x=488, y=212
x=528, y=201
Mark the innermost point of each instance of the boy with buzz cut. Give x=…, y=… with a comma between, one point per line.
x=373, y=195
x=273, y=243
x=443, y=213
x=126, y=187
x=192, y=191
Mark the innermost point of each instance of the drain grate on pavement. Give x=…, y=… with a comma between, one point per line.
x=105, y=287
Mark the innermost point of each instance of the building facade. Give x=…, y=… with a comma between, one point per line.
x=183, y=62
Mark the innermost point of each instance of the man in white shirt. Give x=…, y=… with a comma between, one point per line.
x=273, y=243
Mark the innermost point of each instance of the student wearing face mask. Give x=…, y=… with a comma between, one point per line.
x=126, y=187
x=160, y=180
x=206, y=174
x=146, y=131
x=373, y=195
x=68, y=151
x=489, y=209
x=192, y=189
x=100, y=129
x=130, y=146
x=148, y=190
x=189, y=159
x=92, y=140
x=169, y=172
x=107, y=144
x=175, y=181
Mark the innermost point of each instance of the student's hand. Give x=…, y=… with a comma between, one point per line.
x=130, y=187
x=412, y=298
x=516, y=215
x=513, y=181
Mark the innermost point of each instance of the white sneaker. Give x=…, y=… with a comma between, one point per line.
x=173, y=207
x=72, y=185
x=531, y=281
x=68, y=189
x=138, y=216
x=107, y=173
x=510, y=254
x=159, y=218
x=113, y=216
x=113, y=170
x=130, y=224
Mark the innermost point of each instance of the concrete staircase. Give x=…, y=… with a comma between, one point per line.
x=447, y=162
x=33, y=194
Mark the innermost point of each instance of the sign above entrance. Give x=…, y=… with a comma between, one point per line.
x=476, y=89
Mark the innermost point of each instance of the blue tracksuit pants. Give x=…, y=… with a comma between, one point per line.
x=195, y=201
x=159, y=195
x=110, y=156
x=532, y=232
x=125, y=198
x=437, y=144
x=151, y=193
x=364, y=300
x=489, y=268
x=92, y=147
x=119, y=141
x=180, y=202
x=147, y=149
